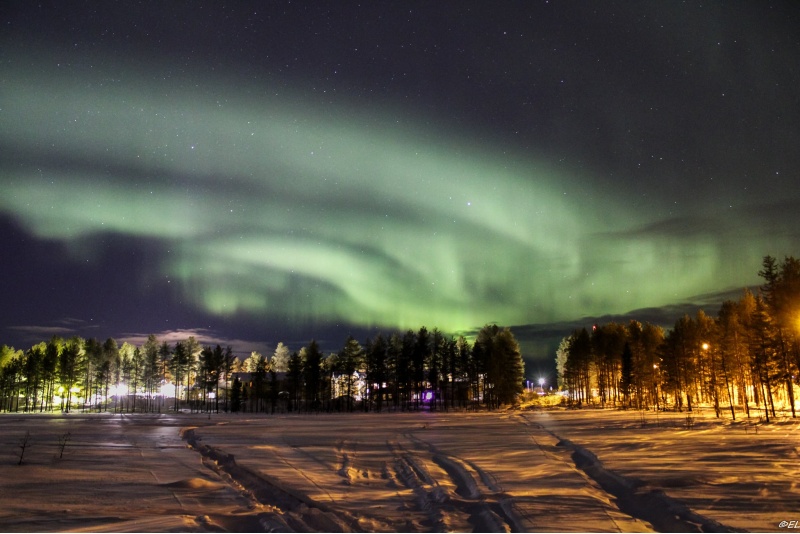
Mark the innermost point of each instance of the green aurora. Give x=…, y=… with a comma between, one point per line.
x=273, y=203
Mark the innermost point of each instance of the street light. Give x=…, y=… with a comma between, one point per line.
x=541, y=384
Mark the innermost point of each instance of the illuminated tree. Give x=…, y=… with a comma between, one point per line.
x=10, y=376
x=680, y=361
x=781, y=294
x=577, y=368
x=112, y=366
x=607, y=343
x=562, y=353
x=252, y=362
x=733, y=353
x=136, y=370
x=280, y=358
x=764, y=355
x=32, y=375
x=646, y=367
x=151, y=371
x=69, y=366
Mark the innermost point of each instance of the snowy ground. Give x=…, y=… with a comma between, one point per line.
x=549, y=471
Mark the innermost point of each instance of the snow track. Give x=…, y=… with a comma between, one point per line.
x=651, y=505
x=482, y=511
x=579, y=471
x=448, y=474
x=487, y=509
x=292, y=511
x=654, y=506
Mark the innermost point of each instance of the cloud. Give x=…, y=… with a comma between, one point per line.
x=204, y=336
x=42, y=332
x=65, y=327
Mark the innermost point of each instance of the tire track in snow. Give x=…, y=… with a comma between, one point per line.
x=441, y=511
x=488, y=510
x=413, y=476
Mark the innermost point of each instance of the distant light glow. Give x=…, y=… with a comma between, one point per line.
x=167, y=390
x=118, y=390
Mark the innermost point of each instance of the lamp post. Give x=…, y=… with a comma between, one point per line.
x=541, y=385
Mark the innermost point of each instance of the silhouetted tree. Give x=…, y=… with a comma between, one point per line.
x=236, y=395
x=312, y=373
x=626, y=378
x=376, y=371
x=505, y=368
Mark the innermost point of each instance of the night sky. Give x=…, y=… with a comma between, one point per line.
x=279, y=171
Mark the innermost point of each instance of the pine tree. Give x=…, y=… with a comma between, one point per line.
x=376, y=370
x=236, y=395
x=312, y=374
x=626, y=378
x=505, y=368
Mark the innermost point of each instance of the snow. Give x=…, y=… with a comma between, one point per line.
x=532, y=471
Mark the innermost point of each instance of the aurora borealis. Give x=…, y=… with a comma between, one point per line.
x=278, y=171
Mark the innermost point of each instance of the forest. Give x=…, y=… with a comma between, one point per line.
x=395, y=372
x=745, y=360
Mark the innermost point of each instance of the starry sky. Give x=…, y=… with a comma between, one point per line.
x=255, y=172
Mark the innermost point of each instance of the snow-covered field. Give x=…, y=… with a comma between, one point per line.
x=557, y=470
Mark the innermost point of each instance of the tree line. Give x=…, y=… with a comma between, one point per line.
x=398, y=372
x=746, y=358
